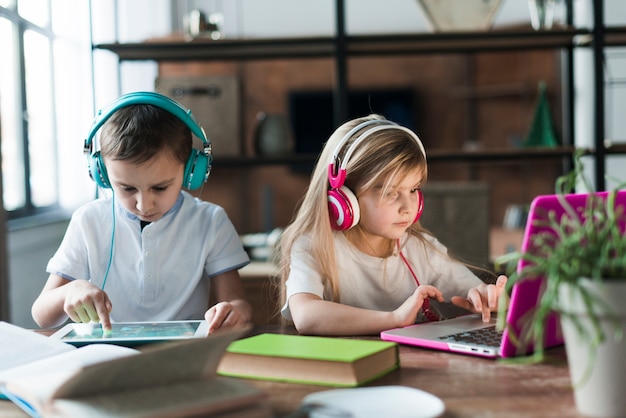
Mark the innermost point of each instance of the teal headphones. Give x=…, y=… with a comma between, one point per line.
x=198, y=164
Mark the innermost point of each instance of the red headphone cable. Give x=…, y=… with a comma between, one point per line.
x=428, y=313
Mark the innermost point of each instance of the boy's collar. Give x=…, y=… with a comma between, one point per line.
x=132, y=216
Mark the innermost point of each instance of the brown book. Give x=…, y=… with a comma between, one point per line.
x=324, y=361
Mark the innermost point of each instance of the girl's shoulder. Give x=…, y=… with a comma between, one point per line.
x=302, y=242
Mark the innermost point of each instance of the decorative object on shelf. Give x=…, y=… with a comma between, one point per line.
x=460, y=15
x=272, y=136
x=197, y=25
x=541, y=133
x=541, y=13
x=260, y=246
x=216, y=104
x=580, y=254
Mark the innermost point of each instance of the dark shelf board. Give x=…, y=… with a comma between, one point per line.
x=226, y=49
x=435, y=155
x=459, y=42
x=377, y=45
x=503, y=154
x=258, y=161
x=616, y=148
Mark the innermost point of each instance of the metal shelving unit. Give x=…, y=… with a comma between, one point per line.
x=342, y=46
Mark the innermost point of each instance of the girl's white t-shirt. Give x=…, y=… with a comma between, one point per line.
x=381, y=284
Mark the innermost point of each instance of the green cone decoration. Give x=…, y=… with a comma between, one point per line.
x=541, y=133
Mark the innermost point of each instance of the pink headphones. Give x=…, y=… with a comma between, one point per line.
x=343, y=206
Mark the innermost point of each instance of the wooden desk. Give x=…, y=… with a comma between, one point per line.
x=470, y=387
x=262, y=291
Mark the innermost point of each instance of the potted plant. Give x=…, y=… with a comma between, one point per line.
x=581, y=258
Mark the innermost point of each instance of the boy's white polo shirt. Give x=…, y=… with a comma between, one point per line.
x=160, y=273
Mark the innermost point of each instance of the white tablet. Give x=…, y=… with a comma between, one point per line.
x=131, y=333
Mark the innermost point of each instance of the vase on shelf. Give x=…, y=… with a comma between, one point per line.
x=272, y=136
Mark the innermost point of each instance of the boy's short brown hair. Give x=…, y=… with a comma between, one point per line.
x=137, y=133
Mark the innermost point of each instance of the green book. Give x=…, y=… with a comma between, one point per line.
x=326, y=361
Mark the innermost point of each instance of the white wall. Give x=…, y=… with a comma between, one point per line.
x=286, y=18
x=29, y=250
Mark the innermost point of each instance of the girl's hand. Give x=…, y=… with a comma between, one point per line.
x=224, y=315
x=407, y=312
x=85, y=302
x=482, y=298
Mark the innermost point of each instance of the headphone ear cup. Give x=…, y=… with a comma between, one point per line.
x=196, y=170
x=343, y=208
x=98, y=171
x=420, y=206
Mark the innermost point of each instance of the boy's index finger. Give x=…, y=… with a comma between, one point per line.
x=104, y=318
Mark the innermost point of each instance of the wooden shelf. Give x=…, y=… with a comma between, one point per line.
x=459, y=42
x=422, y=43
x=340, y=47
x=616, y=148
x=504, y=154
x=434, y=155
x=227, y=49
x=257, y=161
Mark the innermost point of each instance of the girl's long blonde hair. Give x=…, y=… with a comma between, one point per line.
x=388, y=154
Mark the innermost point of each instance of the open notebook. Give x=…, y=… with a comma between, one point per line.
x=469, y=334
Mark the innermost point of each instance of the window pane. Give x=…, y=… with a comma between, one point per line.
x=74, y=113
x=35, y=11
x=12, y=150
x=41, y=130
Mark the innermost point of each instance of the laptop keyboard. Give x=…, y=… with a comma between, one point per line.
x=489, y=336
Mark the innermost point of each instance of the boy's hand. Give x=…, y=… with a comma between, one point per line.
x=483, y=298
x=85, y=302
x=224, y=315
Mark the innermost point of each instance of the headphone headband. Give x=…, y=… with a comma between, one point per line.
x=337, y=172
x=198, y=165
x=149, y=98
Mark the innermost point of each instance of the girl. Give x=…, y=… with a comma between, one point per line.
x=355, y=260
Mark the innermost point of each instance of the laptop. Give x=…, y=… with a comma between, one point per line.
x=468, y=334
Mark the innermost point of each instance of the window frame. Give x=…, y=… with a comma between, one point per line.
x=55, y=206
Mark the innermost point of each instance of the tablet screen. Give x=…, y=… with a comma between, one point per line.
x=131, y=332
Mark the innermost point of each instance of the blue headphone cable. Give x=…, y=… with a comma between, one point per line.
x=106, y=273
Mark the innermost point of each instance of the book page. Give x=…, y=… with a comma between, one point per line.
x=20, y=346
x=68, y=362
x=38, y=380
x=160, y=364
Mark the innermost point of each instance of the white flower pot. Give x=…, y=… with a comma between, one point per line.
x=599, y=382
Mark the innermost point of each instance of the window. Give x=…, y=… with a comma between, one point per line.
x=46, y=104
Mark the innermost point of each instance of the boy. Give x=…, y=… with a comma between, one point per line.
x=151, y=251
